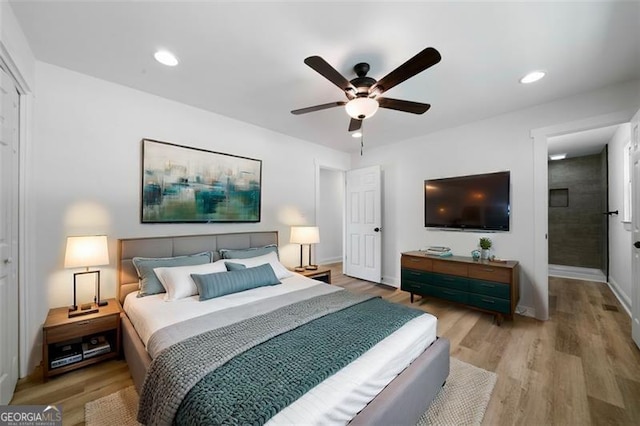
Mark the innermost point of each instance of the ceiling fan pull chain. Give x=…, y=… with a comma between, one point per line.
x=362, y=139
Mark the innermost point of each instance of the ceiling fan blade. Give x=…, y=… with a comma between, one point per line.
x=317, y=108
x=327, y=71
x=404, y=106
x=355, y=124
x=420, y=62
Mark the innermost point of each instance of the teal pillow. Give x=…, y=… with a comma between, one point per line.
x=222, y=283
x=149, y=283
x=248, y=253
x=234, y=266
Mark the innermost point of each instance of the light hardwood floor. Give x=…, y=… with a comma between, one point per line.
x=579, y=368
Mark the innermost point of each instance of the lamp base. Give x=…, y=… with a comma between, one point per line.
x=299, y=269
x=311, y=267
x=102, y=302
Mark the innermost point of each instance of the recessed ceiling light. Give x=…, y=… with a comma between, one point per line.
x=557, y=157
x=532, y=77
x=166, y=58
x=356, y=134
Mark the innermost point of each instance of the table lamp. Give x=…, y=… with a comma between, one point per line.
x=305, y=235
x=83, y=252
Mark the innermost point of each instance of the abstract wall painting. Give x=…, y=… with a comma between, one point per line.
x=190, y=185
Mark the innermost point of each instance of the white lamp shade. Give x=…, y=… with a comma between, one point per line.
x=361, y=108
x=305, y=235
x=91, y=250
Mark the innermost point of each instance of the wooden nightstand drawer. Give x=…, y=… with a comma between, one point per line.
x=81, y=328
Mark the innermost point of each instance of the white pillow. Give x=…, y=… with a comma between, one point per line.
x=177, y=280
x=271, y=258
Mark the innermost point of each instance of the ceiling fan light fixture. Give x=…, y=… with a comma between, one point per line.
x=361, y=108
x=356, y=134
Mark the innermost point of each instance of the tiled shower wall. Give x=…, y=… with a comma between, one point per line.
x=577, y=230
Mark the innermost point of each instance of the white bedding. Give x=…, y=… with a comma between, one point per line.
x=336, y=400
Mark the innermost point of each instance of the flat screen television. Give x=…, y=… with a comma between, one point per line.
x=477, y=202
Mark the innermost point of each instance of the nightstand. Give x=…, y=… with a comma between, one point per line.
x=321, y=274
x=72, y=343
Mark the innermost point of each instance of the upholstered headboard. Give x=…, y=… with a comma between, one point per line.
x=128, y=248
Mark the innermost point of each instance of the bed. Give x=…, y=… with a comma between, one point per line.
x=399, y=394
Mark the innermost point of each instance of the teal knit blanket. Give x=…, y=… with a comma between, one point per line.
x=255, y=385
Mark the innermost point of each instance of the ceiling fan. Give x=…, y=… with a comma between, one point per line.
x=363, y=92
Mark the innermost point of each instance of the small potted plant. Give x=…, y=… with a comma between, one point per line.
x=485, y=245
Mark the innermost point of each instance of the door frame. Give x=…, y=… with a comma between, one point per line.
x=320, y=165
x=25, y=235
x=540, y=176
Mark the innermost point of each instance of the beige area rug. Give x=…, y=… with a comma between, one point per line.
x=462, y=401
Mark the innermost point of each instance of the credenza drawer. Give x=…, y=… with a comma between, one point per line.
x=450, y=268
x=446, y=293
x=490, y=303
x=490, y=273
x=411, y=286
x=489, y=288
x=414, y=262
x=450, y=281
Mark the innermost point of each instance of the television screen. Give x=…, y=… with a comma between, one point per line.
x=478, y=202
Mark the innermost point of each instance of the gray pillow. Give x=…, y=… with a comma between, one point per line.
x=222, y=283
x=248, y=253
x=149, y=283
x=234, y=266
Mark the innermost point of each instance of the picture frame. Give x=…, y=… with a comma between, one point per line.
x=182, y=184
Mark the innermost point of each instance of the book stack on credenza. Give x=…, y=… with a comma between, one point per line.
x=438, y=251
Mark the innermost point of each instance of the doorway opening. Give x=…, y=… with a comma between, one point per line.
x=578, y=204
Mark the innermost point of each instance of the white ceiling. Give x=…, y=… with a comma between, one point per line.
x=245, y=60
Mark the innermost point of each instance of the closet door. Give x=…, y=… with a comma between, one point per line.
x=9, y=103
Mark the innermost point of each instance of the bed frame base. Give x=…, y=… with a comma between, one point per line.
x=402, y=402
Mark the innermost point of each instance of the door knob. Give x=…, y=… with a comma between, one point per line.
x=377, y=229
x=636, y=244
x=8, y=260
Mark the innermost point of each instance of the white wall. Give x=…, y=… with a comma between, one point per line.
x=620, y=247
x=87, y=170
x=499, y=143
x=330, y=216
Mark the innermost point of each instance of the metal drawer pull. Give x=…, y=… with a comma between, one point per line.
x=414, y=260
x=488, y=269
x=488, y=301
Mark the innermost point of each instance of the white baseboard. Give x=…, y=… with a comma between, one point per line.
x=577, y=273
x=391, y=281
x=624, y=300
x=526, y=311
x=329, y=260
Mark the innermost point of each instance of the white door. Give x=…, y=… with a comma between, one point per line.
x=363, y=228
x=9, y=99
x=635, y=224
